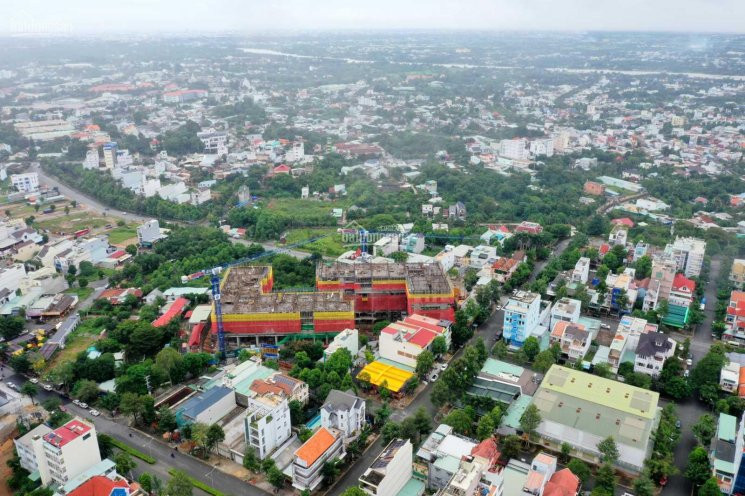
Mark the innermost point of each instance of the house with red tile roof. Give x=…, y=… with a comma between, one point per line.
x=734, y=319
x=98, y=485
x=624, y=221
x=116, y=296
x=173, y=310
x=309, y=459
x=403, y=341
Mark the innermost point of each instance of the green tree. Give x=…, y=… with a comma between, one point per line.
x=330, y=471
x=580, y=469
x=485, y=428
x=166, y=419
x=705, y=429
x=442, y=394
x=511, y=447
x=353, y=491
x=530, y=420
x=124, y=464
x=389, y=432
x=500, y=349
x=251, y=461
x=178, y=485
x=31, y=390
x=709, y=488
x=543, y=361
x=215, y=435
x=698, y=469
x=146, y=481
x=86, y=390
x=566, y=451
x=643, y=267
x=276, y=478
x=423, y=421
x=609, y=450
x=132, y=404
x=605, y=478
x=531, y=347
x=643, y=486
x=459, y=421
x=439, y=346
x=424, y=363
x=399, y=256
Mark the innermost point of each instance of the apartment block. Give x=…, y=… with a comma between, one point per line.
x=69, y=450
x=390, y=471
x=688, y=254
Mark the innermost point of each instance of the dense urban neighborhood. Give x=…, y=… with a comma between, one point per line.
x=388, y=265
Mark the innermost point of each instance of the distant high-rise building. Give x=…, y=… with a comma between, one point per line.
x=109, y=154
x=92, y=159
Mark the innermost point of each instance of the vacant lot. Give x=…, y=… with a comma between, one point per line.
x=330, y=246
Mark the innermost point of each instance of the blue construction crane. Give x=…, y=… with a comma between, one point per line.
x=214, y=274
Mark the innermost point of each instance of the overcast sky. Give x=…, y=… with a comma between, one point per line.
x=255, y=16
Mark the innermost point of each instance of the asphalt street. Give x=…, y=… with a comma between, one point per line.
x=691, y=409
x=202, y=471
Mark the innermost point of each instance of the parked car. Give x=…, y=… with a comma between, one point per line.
x=11, y=385
x=76, y=402
x=443, y=367
x=47, y=387
x=95, y=413
x=83, y=405
x=34, y=380
x=433, y=377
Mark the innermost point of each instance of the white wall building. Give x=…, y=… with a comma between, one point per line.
x=11, y=277
x=27, y=182
x=324, y=445
x=688, y=254
x=652, y=351
x=404, y=340
x=514, y=149
x=542, y=147
x=344, y=412
x=267, y=423
x=92, y=159
x=109, y=155
x=390, y=471
x=565, y=309
x=521, y=317
x=30, y=448
x=348, y=339
x=581, y=272
x=149, y=232
x=69, y=451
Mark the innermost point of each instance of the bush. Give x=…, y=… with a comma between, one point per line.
x=132, y=451
x=200, y=485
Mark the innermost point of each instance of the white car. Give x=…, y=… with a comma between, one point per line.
x=76, y=402
x=34, y=380
x=433, y=377
x=11, y=385
x=83, y=405
x=47, y=387
x=95, y=413
x=443, y=367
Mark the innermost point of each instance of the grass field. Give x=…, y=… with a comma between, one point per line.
x=82, y=293
x=120, y=234
x=330, y=246
x=79, y=340
x=76, y=221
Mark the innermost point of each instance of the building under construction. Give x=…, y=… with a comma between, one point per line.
x=388, y=291
x=347, y=296
x=251, y=309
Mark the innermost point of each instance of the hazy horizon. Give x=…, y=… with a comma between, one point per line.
x=284, y=16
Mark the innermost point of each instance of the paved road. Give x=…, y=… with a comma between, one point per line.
x=691, y=409
x=560, y=247
x=82, y=199
x=199, y=470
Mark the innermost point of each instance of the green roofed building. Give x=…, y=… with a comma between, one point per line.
x=583, y=409
x=677, y=316
x=503, y=382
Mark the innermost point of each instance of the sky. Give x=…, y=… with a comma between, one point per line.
x=262, y=16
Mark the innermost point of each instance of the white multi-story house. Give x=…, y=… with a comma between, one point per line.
x=30, y=448
x=344, y=412
x=514, y=149
x=404, y=340
x=69, y=450
x=149, y=232
x=688, y=254
x=661, y=282
x=566, y=310
x=296, y=153
x=542, y=147
x=390, y=471
x=521, y=316
x=27, y=182
x=652, y=351
x=581, y=272
x=573, y=339
x=11, y=277
x=324, y=445
x=729, y=377
x=93, y=250
x=267, y=423
x=92, y=159
x=109, y=155
x=214, y=141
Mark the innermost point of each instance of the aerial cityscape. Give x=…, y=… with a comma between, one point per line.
x=372, y=255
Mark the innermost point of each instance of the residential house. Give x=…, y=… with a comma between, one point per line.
x=529, y=227
x=565, y=310
x=344, y=412
x=737, y=272
x=681, y=298
x=69, y=450
x=440, y=454
x=727, y=452
x=573, y=339
x=503, y=382
x=206, y=407
x=267, y=423
x=403, y=341
x=734, y=319
x=688, y=254
x=581, y=272
x=729, y=377
x=390, y=471
x=523, y=317
x=309, y=459
x=652, y=351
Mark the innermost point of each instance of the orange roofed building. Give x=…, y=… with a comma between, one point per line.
x=324, y=445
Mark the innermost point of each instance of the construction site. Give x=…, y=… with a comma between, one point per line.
x=347, y=296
